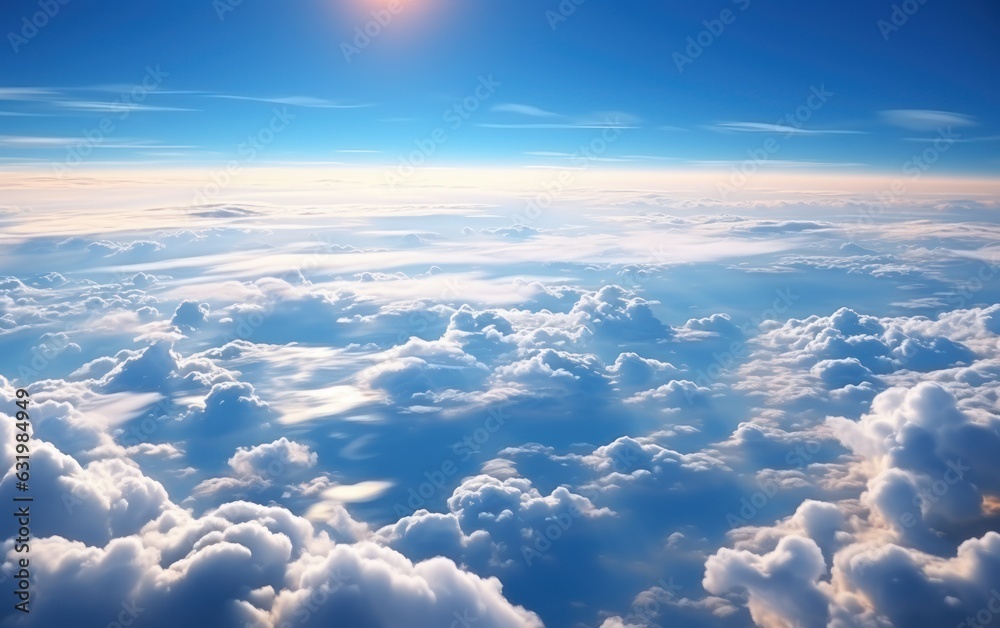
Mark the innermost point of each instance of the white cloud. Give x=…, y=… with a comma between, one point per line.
x=524, y=110
x=926, y=119
x=760, y=127
x=628, y=371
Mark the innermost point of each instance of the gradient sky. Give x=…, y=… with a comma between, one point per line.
x=560, y=79
x=271, y=387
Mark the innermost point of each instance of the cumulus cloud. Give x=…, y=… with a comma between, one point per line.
x=260, y=467
x=190, y=314
x=682, y=418
x=929, y=489
x=245, y=563
x=492, y=522
x=782, y=586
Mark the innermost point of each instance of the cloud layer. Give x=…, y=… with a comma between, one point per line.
x=648, y=411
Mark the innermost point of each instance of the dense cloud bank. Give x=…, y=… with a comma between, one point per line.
x=482, y=425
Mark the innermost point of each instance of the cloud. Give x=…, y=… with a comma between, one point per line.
x=30, y=141
x=782, y=586
x=631, y=369
x=609, y=120
x=148, y=369
x=26, y=93
x=247, y=563
x=491, y=523
x=523, y=110
x=931, y=467
x=287, y=454
x=229, y=407
x=840, y=373
x=190, y=314
x=295, y=101
x=94, y=504
x=115, y=107
x=683, y=412
x=846, y=349
x=760, y=127
x=579, y=125
x=928, y=487
x=925, y=119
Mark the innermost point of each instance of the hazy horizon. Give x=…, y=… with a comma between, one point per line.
x=428, y=313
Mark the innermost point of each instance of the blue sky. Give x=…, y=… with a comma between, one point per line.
x=649, y=341
x=557, y=74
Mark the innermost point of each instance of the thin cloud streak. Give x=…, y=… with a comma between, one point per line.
x=296, y=101
x=761, y=127
x=925, y=119
x=524, y=110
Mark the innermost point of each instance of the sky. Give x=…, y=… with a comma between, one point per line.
x=577, y=314
x=891, y=82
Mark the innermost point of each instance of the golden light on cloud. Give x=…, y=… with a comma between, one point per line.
x=103, y=200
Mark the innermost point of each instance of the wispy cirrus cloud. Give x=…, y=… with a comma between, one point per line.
x=295, y=101
x=925, y=119
x=547, y=153
x=62, y=101
x=588, y=125
x=115, y=107
x=763, y=127
x=49, y=142
x=26, y=93
x=524, y=110
x=28, y=141
x=597, y=120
